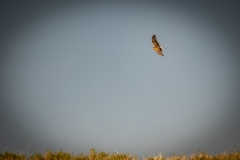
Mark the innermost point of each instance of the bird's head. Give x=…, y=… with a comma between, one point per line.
x=163, y=48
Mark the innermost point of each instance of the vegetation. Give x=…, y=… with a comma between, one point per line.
x=94, y=155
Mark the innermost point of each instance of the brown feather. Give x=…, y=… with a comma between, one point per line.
x=156, y=47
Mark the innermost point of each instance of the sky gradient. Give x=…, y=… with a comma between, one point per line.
x=83, y=75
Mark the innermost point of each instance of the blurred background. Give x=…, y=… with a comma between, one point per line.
x=82, y=75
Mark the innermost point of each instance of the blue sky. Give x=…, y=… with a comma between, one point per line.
x=84, y=75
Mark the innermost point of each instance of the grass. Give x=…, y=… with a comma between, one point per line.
x=94, y=155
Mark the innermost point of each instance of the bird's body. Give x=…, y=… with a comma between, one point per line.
x=157, y=47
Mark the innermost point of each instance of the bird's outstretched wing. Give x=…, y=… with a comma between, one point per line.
x=156, y=47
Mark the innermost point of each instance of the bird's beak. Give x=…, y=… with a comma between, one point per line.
x=164, y=48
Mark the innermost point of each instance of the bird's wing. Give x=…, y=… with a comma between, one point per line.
x=157, y=47
x=159, y=52
x=155, y=42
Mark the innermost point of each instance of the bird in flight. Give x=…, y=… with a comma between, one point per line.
x=157, y=47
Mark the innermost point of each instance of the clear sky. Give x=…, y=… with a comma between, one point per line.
x=76, y=76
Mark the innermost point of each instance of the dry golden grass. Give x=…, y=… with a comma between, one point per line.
x=94, y=155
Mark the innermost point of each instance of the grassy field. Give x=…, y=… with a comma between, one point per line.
x=94, y=155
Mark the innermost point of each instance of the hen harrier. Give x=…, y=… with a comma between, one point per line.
x=157, y=47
